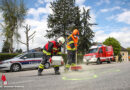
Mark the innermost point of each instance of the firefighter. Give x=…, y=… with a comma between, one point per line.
x=50, y=49
x=71, y=49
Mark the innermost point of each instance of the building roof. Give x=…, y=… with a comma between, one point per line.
x=123, y=49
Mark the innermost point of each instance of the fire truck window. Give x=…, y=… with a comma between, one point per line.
x=94, y=50
x=100, y=51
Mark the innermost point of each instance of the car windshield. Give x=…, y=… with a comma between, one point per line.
x=94, y=50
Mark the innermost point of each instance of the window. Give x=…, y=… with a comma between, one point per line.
x=94, y=50
x=100, y=51
x=38, y=55
x=29, y=55
x=122, y=54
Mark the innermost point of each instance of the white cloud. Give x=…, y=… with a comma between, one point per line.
x=93, y=17
x=48, y=1
x=102, y=2
x=80, y=2
x=115, y=8
x=111, y=17
x=37, y=12
x=85, y=7
x=124, y=17
x=121, y=35
x=40, y=1
x=104, y=10
x=110, y=9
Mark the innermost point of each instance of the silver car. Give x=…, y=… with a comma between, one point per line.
x=23, y=61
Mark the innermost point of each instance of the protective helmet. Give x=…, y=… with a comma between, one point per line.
x=61, y=39
x=75, y=32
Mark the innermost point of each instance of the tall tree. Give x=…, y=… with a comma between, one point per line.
x=5, y=48
x=28, y=37
x=86, y=33
x=63, y=20
x=14, y=12
x=115, y=44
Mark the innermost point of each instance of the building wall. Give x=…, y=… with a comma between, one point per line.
x=124, y=55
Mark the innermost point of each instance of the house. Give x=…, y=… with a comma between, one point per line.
x=124, y=54
x=39, y=49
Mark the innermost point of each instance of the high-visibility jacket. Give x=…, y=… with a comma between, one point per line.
x=52, y=48
x=72, y=43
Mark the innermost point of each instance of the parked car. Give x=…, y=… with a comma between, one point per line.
x=22, y=61
x=98, y=54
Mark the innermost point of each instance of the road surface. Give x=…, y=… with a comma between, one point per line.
x=114, y=76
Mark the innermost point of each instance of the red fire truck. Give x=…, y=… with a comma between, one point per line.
x=98, y=54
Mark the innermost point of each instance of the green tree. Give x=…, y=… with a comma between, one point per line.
x=86, y=33
x=115, y=44
x=19, y=51
x=64, y=19
x=14, y=12
x=5, y=48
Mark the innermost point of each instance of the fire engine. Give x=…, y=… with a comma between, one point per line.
x=98, y=54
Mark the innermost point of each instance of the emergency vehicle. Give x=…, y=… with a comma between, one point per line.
x=98, y=54
x=28, y=60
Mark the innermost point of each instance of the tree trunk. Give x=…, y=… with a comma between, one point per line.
x=11, y=45
x=27, y=40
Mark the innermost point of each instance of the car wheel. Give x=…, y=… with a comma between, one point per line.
x=15, y=68
x=98, y=61
x=47, y=65
x=87, y=62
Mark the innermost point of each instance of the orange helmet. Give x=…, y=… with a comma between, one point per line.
x=75, y=32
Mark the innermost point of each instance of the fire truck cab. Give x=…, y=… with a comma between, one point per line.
x=98, y=54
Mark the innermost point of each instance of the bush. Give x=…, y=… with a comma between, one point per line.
x=4, y=56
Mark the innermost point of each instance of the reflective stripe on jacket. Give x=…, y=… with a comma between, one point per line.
x=51, y=47
x=72, y=43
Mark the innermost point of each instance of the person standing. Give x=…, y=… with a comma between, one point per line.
x=72, y=41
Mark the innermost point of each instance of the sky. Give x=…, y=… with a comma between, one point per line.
x=112, y=17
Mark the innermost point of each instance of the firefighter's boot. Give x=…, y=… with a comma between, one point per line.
x=56, y=70
x=40, y=71
x=67, y=68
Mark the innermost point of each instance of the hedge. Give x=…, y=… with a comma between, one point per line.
x=4, y=56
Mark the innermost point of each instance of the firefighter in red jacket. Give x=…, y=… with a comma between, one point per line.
x=71, y=49
x=50, y=49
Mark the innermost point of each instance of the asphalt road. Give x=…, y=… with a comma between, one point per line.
x=114, y=76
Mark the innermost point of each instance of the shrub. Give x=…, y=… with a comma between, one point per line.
x=4, y=56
